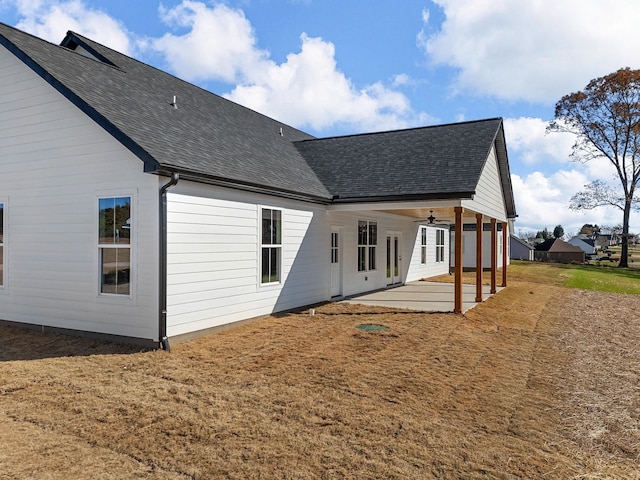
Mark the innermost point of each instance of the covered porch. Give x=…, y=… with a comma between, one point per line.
x=423, y=296
x=488, y=252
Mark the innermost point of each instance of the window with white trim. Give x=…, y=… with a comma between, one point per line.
x=367, y=243
x=440, y=245
x=114, y=245
x=271, y=245
x=2, y=262
x=423, y=245
x=335, y=248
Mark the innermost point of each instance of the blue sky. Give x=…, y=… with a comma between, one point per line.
x=339, y=67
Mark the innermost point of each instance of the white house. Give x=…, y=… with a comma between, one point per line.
x=585, y=242
x=520, y=249
x=139, y=207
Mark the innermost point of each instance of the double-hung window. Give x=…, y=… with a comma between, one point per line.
x=367, y=242
x=271, y=245
x=114, y=245
x=1, y=244
x=440, y=245
x=423, y=245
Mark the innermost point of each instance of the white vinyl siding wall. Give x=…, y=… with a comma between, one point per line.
x=355, y=282
x=469, y=253
x=489, y=199
x=54, y=162
x=432, y=268
x=214, y=249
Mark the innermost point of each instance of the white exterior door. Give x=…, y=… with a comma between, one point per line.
x=336, y=261
x=394, y=258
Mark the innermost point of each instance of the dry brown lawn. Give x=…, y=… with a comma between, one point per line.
x=538, y=382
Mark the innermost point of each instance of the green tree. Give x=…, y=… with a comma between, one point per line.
x=558, y=232
x=605, y=118
x=544, y=234
x=588, y=229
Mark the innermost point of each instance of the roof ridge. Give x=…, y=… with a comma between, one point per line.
x=407, y=129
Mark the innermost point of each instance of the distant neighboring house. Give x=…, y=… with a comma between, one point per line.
x=559, y=251
x=585, y=242
x=520, y=249
x=138, y=207
x=605, y=240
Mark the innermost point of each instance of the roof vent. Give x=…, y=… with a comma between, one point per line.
x=174, y=104
x=281, y=132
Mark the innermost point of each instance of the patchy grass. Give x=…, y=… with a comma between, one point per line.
x=540, y=381
x=586, y=277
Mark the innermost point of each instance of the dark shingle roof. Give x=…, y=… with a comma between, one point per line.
x=431, y=162
x=557, y=245
x=209, y=138
x=207, y=134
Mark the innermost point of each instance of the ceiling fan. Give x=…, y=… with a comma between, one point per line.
x=431, y=220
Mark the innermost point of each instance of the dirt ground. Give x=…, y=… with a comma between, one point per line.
x=537, y=382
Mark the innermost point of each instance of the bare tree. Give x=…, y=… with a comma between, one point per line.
x=605, y=117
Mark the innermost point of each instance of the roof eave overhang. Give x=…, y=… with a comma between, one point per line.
x=239, y=185
x=418, y=197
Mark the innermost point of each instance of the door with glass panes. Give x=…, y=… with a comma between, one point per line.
x=394, y=258
x=336, y=261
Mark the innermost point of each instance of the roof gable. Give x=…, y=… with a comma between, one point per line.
x=557, y=245
x=436, y=161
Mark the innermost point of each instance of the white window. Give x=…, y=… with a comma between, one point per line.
x=335, y=248
x=423, y=245
x=367, y=242
x=114, y=245
x=271, y=245
x=2, y=249
x=440, y=245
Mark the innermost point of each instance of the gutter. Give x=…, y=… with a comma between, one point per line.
x=162, y=320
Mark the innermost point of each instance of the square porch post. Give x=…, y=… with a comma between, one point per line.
x=504, y=254
x=479, y=262
x=458, y=261
x=494, y=255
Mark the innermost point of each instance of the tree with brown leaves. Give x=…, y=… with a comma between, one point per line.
x=605, y=118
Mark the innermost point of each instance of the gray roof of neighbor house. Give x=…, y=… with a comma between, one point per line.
x=522, y=242
x=208, y=138
x=557, y=245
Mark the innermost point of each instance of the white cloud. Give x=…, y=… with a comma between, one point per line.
x=51, y=19
x=542, y=196
x=219, y=43
x=527, y=138
x=306, y=90
x=534, y=51
x=543, y=201
x=309, y=90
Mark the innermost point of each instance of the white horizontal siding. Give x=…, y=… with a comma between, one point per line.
x=469, y=249
x=355, y=282
x=54, y=162
x=214, y=257
x=489, y=197
x=417, y=270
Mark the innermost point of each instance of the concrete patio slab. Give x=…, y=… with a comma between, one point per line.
x=422, y=297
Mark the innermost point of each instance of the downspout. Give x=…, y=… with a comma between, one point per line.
x=164, y=340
